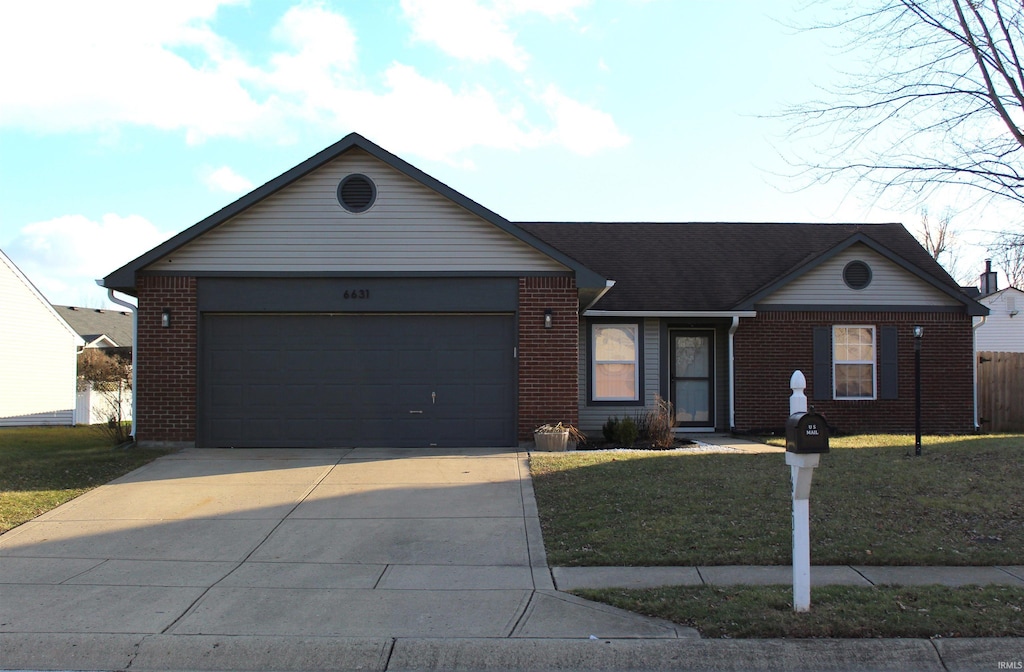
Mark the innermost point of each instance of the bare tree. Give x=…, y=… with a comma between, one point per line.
x=1008, y=254
x=110, y=375
x=942, y=241
x=938, y=104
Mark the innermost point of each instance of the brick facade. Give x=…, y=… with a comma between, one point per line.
x=548, y=381
x=771, y=346
x=166, y=361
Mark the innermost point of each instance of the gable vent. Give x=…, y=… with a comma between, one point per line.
x=857, y=275
x=356, y=193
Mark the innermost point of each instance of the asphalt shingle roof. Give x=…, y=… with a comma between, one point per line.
x=91, y=323
x=710, y=266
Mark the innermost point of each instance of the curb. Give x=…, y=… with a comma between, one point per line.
x=206, y=653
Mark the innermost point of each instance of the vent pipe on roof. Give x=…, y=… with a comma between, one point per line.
x=989, y=284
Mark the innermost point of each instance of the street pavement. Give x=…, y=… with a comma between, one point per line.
x=369, y=559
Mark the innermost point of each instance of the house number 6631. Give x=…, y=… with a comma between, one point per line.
x=357, y=294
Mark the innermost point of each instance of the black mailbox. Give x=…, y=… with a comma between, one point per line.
x=806, y=433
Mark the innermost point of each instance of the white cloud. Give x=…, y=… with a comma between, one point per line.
x=549, y=8
x=227, y=180
x=428, y=118
x=121, y=62
x=580, y=128
x=162, y=65
x=322, y=48
x=465, y=29
x=64, y=256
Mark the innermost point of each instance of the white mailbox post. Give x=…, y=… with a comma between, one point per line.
x=806, y=439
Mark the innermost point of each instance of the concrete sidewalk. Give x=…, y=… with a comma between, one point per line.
x=573, y=578
x=348, y=559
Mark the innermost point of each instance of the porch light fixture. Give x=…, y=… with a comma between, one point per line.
x=918, y=335
x=547, y=319
x=165, y=318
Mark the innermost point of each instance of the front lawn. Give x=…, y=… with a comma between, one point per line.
x=836, y=611
x=872, y=503
x=43, y=467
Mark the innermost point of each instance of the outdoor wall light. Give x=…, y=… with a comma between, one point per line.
x=547, y=319
x=165, y=318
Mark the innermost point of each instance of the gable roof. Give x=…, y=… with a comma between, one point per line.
x=36, y=294
x=123, y=279
x=94, y=323
x=719, y=267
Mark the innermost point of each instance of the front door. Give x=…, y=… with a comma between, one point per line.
x=693, y=378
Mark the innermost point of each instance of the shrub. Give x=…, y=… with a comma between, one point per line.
x=642, y=420
x=660, y=421
x=610, y=429
x=627, y=432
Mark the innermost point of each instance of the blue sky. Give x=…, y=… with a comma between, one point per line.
x=122, y=123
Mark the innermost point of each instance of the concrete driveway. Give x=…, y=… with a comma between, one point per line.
x=208, y=549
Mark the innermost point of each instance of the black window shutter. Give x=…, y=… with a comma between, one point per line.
x=889, y=373
x=822, y=363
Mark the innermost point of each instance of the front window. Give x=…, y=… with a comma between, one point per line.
x=615, y=360
x=853, y=362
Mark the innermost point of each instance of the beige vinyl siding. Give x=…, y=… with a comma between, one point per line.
x=890, y=285
x=38, y=371
x=591, y=418
x=409, y=228
x=1000, y=332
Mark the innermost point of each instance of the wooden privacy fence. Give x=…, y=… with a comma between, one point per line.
x=1001, y=391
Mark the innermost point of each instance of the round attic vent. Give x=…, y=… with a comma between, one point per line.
x=857, y=275
x=356, y=193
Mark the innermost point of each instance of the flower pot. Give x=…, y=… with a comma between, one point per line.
x=551, y=441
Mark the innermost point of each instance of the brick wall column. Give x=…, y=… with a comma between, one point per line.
x=771, y=346
x=548, y=358
x=166, y=361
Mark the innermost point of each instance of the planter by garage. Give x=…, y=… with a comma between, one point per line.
x=551, y=441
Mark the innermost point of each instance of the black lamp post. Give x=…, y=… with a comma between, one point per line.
x=918, y=334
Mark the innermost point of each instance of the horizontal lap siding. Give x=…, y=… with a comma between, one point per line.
x=593, y=417
x=890, y=285
x=409, y=228
x=38, y=371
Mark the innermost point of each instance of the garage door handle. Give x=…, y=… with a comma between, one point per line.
x=417, y=412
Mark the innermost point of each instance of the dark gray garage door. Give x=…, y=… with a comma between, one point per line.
x=278, y=380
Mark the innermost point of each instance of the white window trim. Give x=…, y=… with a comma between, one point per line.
x=635, y=326
x=872, y=362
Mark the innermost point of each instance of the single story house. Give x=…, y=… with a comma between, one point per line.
x=111, y=332
x=38, y=368
x=355, y=300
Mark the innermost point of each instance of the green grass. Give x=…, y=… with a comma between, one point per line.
x=836, y=611
x=872, y=503
x=43, y=467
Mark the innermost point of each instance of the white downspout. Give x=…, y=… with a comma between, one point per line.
x=135, y=344
x=732, y=373
x=974, y=365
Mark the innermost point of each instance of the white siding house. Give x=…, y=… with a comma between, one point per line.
x=1003, y=329
x=39, y=367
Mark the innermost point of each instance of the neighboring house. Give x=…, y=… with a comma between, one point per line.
x=999, y=341
x=355, y=300
x=110, y=331
x=1003, y=329
x=38, y=367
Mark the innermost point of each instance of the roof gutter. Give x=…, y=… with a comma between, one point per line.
x=608, y=284
x=732, y=373
x=974, y=365
x=671, y=313
x=135, y=344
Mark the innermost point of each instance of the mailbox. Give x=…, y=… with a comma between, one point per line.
x=806, y=433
